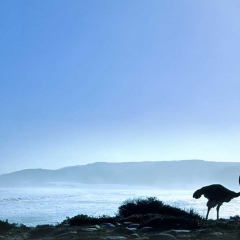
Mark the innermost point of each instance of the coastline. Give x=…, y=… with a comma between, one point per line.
x=113, y=228
x=139, y=218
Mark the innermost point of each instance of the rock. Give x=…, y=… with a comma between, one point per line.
x=216, y=234
x=107, y=225
x=177, y=232
x=122, y=230
x=126, y=223
x=60, y=231
x=135, y=235
x=93, y=238
x=96, y=226
x=182, y=231
x=183, y=234
x=66, y=235
x=132, y=229
x=222, y=236
x=134, y=225
x=114, y=238
x=161, y=236
x=89, y=229
x=203, y=231
x=146, y=229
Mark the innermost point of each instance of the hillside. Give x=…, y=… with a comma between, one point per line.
x=184, y=174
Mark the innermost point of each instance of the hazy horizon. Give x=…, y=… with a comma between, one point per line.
x=118, y=81
x=97, y=162
x=94, y=163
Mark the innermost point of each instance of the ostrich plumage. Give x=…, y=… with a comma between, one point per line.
x=216, y=195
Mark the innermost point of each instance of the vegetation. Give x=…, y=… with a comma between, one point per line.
x=151, y=205
x=81, y=220
x=149, y=212
x=41, y=231
x=145, y=211
x=5, y=226
x=152, y=212
x=140, y=206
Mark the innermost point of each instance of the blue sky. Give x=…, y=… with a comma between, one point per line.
x=88, y=81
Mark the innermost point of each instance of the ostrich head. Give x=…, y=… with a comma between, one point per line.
x=197, y=194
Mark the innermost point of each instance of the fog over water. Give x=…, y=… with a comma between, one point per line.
x=41, y=196
x=33, y=206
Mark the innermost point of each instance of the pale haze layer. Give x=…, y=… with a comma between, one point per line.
x=115, y=81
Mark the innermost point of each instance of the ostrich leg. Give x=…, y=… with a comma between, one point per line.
x=209, y=208
x=218, y=207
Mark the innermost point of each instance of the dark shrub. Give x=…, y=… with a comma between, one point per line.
x=139, y=206
x=81, y=220
x=151, y=205
x=139, y=218
x=170, y=222
x=5, y=226
x=41, y=231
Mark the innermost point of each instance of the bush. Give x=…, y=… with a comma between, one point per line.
x=169, y=222
x=5, y=226
x=151, y=205
x=139, y=206
x=81, y=220
x=41, y=231
x=138, y=218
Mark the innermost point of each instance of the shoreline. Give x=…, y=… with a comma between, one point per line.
x=139, y=218
x=115, y=228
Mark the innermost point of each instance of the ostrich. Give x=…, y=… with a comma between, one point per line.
x=216, y=195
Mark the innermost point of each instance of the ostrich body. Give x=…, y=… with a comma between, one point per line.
x=216, y=195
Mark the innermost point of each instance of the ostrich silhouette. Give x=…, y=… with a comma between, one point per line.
x=216, y=195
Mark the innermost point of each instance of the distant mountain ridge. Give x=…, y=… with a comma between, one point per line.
x=182, y=174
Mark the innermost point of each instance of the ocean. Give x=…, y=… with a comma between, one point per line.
x=34, y=206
